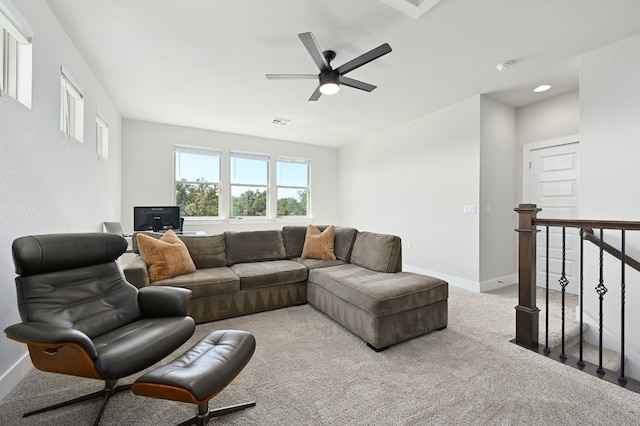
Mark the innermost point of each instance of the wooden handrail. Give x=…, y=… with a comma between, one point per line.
x=589, y=236
x=579, y=223
x=526, y=311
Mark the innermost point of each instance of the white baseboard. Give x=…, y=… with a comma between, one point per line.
x=14, y=374
x=475, y=286
x=497, y=283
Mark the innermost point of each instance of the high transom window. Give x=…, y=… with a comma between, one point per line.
x=15, y=54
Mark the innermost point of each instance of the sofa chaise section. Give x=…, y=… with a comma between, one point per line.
x=371, y=299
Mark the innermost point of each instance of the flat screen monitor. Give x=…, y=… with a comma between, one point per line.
x=156, y=218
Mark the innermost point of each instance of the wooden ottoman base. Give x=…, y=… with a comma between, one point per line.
x=201, y=373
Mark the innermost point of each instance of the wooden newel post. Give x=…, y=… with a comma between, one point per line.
x=527, y=312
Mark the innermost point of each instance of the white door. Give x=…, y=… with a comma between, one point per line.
x=550, y=180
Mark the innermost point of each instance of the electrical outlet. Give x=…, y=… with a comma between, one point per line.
x=469, y=209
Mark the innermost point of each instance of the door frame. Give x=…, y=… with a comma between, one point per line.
x=526, y=159
x=527, y=154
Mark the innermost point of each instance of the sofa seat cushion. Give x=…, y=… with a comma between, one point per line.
x=265, y=274
x=206, y=282
x=317, y=263
x=380, y=293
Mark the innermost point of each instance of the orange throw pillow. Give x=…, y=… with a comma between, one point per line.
x=319, y=245
x=165, y=257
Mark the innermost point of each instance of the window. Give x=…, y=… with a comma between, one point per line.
x=292, y=186
x=102, y=137
x=197, y=177
x=15, y=54
x=249, y=180
x=71, y=107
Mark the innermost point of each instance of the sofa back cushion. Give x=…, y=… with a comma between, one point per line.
x=207, y=251
x=378, y=252
x=343, y=240
x=254, y=246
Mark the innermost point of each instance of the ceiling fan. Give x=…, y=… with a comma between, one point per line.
x=330, y=79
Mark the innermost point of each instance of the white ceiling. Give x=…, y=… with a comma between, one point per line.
x=202, y=63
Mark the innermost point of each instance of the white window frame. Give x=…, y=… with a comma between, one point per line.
x=102, y=137
x=198, y=150
x=16, y=54
x=235, y=183
x=71, y=107
x=295, y=160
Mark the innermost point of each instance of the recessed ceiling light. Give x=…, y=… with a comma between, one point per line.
x=542, y=88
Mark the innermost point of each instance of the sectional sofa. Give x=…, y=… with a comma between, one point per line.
x=363, y=289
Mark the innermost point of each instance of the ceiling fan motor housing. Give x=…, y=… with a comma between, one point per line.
x=329, y=76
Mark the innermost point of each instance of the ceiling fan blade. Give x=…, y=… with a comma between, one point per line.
x=357, y=84
x=314, y=50
x=291, y=76
x=365, y=58
x=316, y=94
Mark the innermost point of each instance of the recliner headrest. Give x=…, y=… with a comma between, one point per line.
x=37, y=254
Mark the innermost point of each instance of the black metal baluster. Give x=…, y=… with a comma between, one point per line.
x=601, y=289
x=546, y=308
x=580, y=360
x=622, y=379
x=563, y=283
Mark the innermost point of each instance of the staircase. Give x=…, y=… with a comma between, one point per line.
x=532, y=321
x=610, y=358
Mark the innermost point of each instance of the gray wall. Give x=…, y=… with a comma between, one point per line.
x=610, y=179
x=148, y=172
x=498, y=149
x=415, y=179
x=50, y=184
x=545, y=120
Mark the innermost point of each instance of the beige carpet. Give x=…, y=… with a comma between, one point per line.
x=307, y=370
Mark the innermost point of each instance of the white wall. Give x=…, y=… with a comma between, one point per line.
x=498, y=153
x=48, y=183
x=553, y=118
x=148, y=179
x=610, y=176
x=413, y=181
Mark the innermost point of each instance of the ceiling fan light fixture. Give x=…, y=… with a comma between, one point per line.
x=329, y=88
x=329, y=82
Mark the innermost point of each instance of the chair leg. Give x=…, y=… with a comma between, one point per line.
x=109, y=390
x=230, y=409
x=204, y=414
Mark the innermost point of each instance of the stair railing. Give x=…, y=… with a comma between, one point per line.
x=527, y=312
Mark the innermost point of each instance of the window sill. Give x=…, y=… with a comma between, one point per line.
x=197, y=221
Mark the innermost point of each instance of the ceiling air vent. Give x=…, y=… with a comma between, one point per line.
x=281, y=121
x=413, y=8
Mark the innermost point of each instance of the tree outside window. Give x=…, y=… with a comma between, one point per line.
x=249, y=180
x=292, y=187
x=197, y=181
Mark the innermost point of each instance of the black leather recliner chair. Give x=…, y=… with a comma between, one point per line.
x=80, y=317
